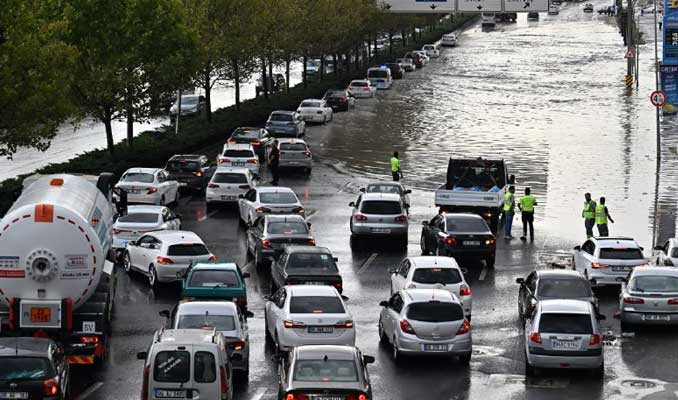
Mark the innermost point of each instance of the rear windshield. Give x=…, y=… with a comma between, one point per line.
x=359, y=84
x=239, y=153
x=205, y=367
x=246, y=134
x=220, y=322
x=172, y=366
x=214, y=278
x=287, y=228
x=466, y=225
x=183, y=166
x=674, y=252
x=564, y=288
x=190, y=249
x=281, y=117
x=429, y=48
x=25, y=368
x=657, y=284
x=229, y=177
x=378, y=73
x=310, y=104
x=277, y=198
x=316, y=305
x=569, y=324
x=620, y=254
x=138, y=177
x=336, y=95
x=142, y=218
x=325, y=371
x=435, y=312
x=383, y=189
x=310, y=262
x=380, y=207
x=436, y=275
x=293, y=146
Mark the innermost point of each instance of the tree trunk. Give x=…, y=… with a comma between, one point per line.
x=336, y=66
x=322, y=66
x=270, y=77
x=414, y=35
x=390, y=44
x=109, y=132
x=357, y=58
x=304, y=76
x=264, y=78
x=129, y=113
x=404, y=36
x=287, y=75
x=375, y=45
x=347, y=63
x=208, y=97
x=236, y=83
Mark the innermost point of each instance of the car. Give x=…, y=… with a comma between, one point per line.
x=423, y=55
x=239, y=156
x=305, y=265
x=192, y=171
x=552, y=284
x=416, y=58
x=298, y=315
x=588, y=8
x=553, y=9
x=268, y=200
x=149, y=186
x=141, y=219
x=533, y=16
x=313, y=67
x=338, y=372
x=362, y=88
x=459, y=235
x=294, y=153
x=449, y=40
x=277, y=84
x=181, y=362
x=431, y=50
x=191, y=104
x=314, y=110
x=564, y=334
x=339, y=99
x=397, y=70
x=487, y=20
x=215, y=280
x=607, y=260
x=257, y=137
x=285, y=124
x=224, y=316
x=390, y=187
x=668, y=253
x=269, y=234
x=407, y=63
x=227, y=184
x=380, y=77
x=425, y=322
x=649, y=297
x=378, y=214
x=433, y=272
x=164, y=256
x=33, y=368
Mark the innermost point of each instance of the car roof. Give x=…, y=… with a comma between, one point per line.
x=202, y=265
x=238, y=146
x=176, y=236
x=381, y=196
x=463, y=215
x=565, y=306
x=318, y=352
x=25, y=346
x=307, y=249
x=186, y=336
x=232, y=169
x=425, y=295
x=360, y=80
x=312, y=290
x=192, y=157
x=312, y=100
x=385, y=183
x=248, y=128
x=143, y=170
x=602, y=241
x=284, y=217
x=274, y=189
x=284, y=112
x=381, y=67
x=290, y=140
x=559, y=273
x=433, y=262
x=144, y=209
x=212, y=307
x=655, y=271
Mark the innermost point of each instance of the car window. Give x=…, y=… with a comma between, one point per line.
x=137, y=177
x=658, y=284
x=172, y=366
x=161, y=177
x=377, y=73
x=588, y=247
x=325, y=371
x=396, y=303
x=277, y=198
x=12, y=368
x=316, y=305
x=229, y=177
x=146, y=239
x=187, y=249
x=359, y=84
x=202, y=321
x=404, y=268
x=312, y=104
x=530, y=282
x=183, y=166
x=246, y=134
x=563, y=288
x=380, y=207
x=287, y=227
x=139, y=217
x=205, y=367
x=214, y=278
x=674, y=252
x=238, y=153
x=282, y=296
x=281, y=117
x=620, y=254
x=293, y=147
x=383, y=189
x=435, y=311
x=298, y=263
x=437, y=222
x=445, y=276
x=466, y=225
x=569, y=324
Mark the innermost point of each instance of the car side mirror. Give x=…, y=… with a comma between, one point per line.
x=408, y=191
x=249, y=314
x=246, y=275
x=267, y=297
x=351, y=204
x=641, y=248
x=362, y=190
x=601, y=317
x=520, y=281
x=335, y=259
x=132, y=243
x=383, y=303
x=658, y=248
x=577, y=248
x=368, y=359
x=164, y=313
x=345, y=298
x=142, y=355
x=309, y=225
x=425, y=223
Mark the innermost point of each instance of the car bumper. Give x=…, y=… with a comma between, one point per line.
x=281, y=130
x=170, y=273
x=455, y=346
x=459, y=252
x=222, y=197
x=290, y=340
x=313, y=117
x=254, y=168
x=244, y=363
x=300, y=163
x=648, y=318
x=143, y=198
x=541, y=361
x=362, y=95
x=193, y=183
x=379, y=229
x=602, y=279
x=343, y=106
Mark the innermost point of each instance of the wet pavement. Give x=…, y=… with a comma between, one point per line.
x=547, y=97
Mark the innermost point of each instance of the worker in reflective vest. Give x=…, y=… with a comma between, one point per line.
x=526, y=205
x=602, y=215
x=589, y=214
x=395, y=167
x=509, y=210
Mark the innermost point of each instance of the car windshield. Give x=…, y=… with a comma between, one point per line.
x=466, y=225
x=563, y=288
x=316, y=305
x=313, y=104
x=287, y=227
x=293, y=146
x=187, y=249
x=377, y=73
x=206, y=321
x=140, y=217
x=229, y=177
x=383, y=189
x=277, y=198
x=172, y=366
x=138, y=177
x=620, y=254
x=325, y=371
x=189, y=100
x=239, y=153
x=205, y=369
x=359, y=84
x=380, y=207
x=435, y=311
x=436, y=275
x=429, y=48
x=246, y=134
x=335, y=95
x=281, y=117
x=309, y=263
x=658, y=284
x=25, y=368
x=568, y=324
x=183, y=166
x=214, y=278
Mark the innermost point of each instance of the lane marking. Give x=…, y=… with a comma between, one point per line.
x=208, y=215
x=483, y=273
x=90, y=390
x=259, y=394
x=311, y=214
x=367, y=263
x=247, y=266
x=344, y=187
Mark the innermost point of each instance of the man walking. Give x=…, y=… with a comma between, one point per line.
x=273, y=162
x=526, y=205
x=509, y=210
x=395, y=167
x=602, y=215
x=588, y=213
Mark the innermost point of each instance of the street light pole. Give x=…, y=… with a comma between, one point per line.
x=656, y=80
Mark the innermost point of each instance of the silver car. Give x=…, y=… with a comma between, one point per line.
x=268, y=200
x=294, y=153
x=378, y=214
x=564, y=334
x=390, y=187
x=649, y=298
x=425, y=322
x=142, y=219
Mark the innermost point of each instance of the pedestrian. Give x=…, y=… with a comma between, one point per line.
x=602, y=215
x=509, y=210
x=395, y=167
x=526, y=205
x=273, y=162
x=589, y=214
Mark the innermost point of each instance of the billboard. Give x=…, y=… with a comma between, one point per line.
x=670, y=33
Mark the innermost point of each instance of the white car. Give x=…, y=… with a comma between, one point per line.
x=607, y=260
x=553, y=10
x=431, y=50
x=423, y=54
x=268, y=200
x=407, y=64
x=164, y=256
x=228, y=183
x=380, y=77
x=313, y=110
x=449, y=40
x=362, y=88
x=239, y=155
x=668, y=253
x=298, y=315
x=142, y=219
x=149, y=186
x=433, y=272
x=294, y=153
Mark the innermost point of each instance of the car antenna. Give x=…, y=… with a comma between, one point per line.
x=325, y=358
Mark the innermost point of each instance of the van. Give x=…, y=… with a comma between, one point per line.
x=187, y=364
x=487, y=19
x=380, y=77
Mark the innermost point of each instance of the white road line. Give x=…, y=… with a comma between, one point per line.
x=367, y=263
x=344, y=187
x=89, y=391
x=311, y=214
x=483, y=273
x=259, y=394
x=208, y=215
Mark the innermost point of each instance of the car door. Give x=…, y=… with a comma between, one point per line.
x=399, y=278
x=244, y=204
x=139, y=254
x=435, y=226
x=586, y=255
x=529, y=292
x=278, y=270
x=277, y=311
x=255, y=233
x=392, y=314
x=162, y=185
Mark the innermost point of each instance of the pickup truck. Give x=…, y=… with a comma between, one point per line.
x=477, y=186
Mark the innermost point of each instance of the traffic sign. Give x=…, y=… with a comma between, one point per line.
x=479, y=6
x=526, y=5
x=418, y=6
x=658, y=98
x=631, y=53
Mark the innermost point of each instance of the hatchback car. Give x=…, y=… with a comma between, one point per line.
x=339, y=99
x=552, y=284
x=239, y=156
x=298, y=315
x=227, y=184
x=269, y=234
x=417, y=59
x=607, y=260
x=149, y=186
x=390, y=187
x=313, y=110
x=462, y=236
x=668, y=253
x=33, y=368
x=407, y=63
x=649, y=298
x=215, y=280
x=257, y=137
x=449, y=39
x=192, y=171
x=378, y=214
x=268, y=200
x=295, y=153
x=140, y=220
x=324, y=372
x=191, y=104
x=564, y=334
x=431, y=50
x=362, y=88
x=285, y=124
x=425, y=322
x=397, y=70
x=305, y=265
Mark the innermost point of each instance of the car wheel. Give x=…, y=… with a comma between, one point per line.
x=626, y=327
x=397, y=355
x=383, y=339
x=490, y=261
x=162, y=200
x=127, y=262
x=422, y=244
x=152, y=277
x=465, y=359
x=600, y=371
x=529, y=370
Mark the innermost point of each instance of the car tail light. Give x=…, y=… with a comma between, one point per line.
x=246, y=187
x=298, y=210
x=163, y=260
x=307, y=153
x=291, y=123
x=535, y=337
x=50, y=387
x=464, y=290
x=633, y=300
x=144, y=383
x=673, y=302
x=490, y=242
x=263, y=210
x=401, y=218
x=357, y=396
x=152, y=190
x=89, y=339
x=343, y=100
x=338, y=286
x=464, y=328
x=294, y=324
x=641, y=265
x=118, y=231
x=197, y=173
x=212, y=257
x=255, y=143
x=212, y=186
x=311, y=242
x=224, y=382
x=224, y=160
x=296, y=396
x=241, y=301
x=360, y=217
x=253, y=161
x=451, y=241
x=266, y=243
x=232, y=142
x=599, y=266
x=595, y=340
x=237, y=344
x=406, y=327
x=344, y=324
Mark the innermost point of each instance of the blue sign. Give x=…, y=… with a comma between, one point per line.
x=670, y=32
x=669, y=78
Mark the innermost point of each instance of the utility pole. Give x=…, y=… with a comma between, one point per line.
x=176, y=126
x=656, y=81
x=630, y=43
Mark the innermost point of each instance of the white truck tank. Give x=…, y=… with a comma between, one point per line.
x=54, y=244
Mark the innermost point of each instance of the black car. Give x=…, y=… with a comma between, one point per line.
x=192, y=171
x=552, y=284
x=397, y=71
x=270, y=233
x=462, y=236
x=339, y=100
x=257, y=137
x=33, y=368
x=305, y=265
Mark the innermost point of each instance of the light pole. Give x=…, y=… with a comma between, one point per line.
x=656, y=80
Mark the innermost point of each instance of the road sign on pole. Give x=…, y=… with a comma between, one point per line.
x=419, y=6
x=631, y=53
x=525, y=5
x=479, y=6
x=658, y=98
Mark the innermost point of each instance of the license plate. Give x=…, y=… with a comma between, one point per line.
x=13, y=395
x=655, y=317
x=238, y=164
x=435, y=347
x=183, y=184
x=225, y=198
x=314, y=283
x=326, y=397
x=471, y=243
x=41, y=314
x=381, y=230
x=170, y=394
x=320, y=329
x=620, y=268
x=565, y=344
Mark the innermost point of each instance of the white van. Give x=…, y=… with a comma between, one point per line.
x=487, y=19
x=380, y=77
x=187, y=364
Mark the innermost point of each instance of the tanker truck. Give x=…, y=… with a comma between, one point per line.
x=57, y=277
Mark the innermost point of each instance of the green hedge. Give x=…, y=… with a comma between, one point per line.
x=153, y=148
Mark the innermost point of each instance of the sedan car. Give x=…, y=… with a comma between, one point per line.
x=227, y=184
x=552, y=284
x=140, y=220
x=649, y=298
x=588, y=8
x=215, y=280
x=397, y=70
x=407, y=63
x=431, y=50
x=295, y=153
x=424, y=55
x=564, y=334
x=390, y=187
x=313, y=110
x=449, y=39
x=271, y=233
x=239, y=156
x=191, y=104
x=324, y=372
x=362, y=88
x=417, y=59
x=305, y=265
x=425, y=322
x=257, y=137
x=164, y=256
x=192, y=171
x=607, y=260
x=433, y=272
x=298, y=315
x=285, y=124
x=33, y=368
x=668, y=253
x=378, y=215
x=339, y=99
x=268, y=200
x=149, y=186
x=462, y=236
